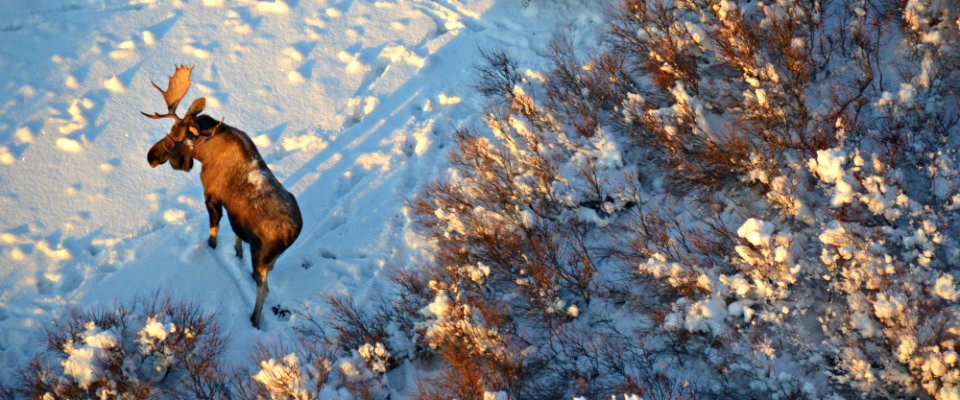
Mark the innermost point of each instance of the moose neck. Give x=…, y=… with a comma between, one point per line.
x=221, y=142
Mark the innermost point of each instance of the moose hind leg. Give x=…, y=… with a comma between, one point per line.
x=262, y=291
x=262, y=264
x=215, y=210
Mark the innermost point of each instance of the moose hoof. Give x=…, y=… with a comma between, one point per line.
x=212, y=242
x=254, y=320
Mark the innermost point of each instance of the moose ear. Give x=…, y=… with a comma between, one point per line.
x=196, y=107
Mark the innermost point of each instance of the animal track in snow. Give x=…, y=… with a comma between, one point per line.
x=449, y=19
x=306, y=142
x=360, y=108
x=349, y=180
x=77, y=120
x=397, y=53
x=352, y=64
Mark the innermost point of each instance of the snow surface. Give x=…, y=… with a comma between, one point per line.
x=80, y=362
x=350, y=103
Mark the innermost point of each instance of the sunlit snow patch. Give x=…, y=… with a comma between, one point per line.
x=113, y=84
x=5, y=157
x=175, y=216
x=82, y=358
x=273, y=7
x=68, y=145
x=308, y=142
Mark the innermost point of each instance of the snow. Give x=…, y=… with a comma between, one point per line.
x=376, y=356
x=726, y=8
x=829, y=165
x=351, y=104
x=949, y=393
x=756, y=231
x=887, y=307
x=256, y=176
x=946, y=288
x=82, y=359
x=152, y=332
x=157, y=330
x=495, y=396
x=283, y=377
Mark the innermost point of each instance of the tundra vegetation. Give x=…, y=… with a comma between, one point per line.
x=722, y=200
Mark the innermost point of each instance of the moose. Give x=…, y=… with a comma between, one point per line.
x=234, y=176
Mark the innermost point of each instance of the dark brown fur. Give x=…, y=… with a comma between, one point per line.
x=234, y=176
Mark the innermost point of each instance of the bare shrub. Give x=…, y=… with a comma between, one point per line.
x=583, y=94
x=158, y=347
x=513, y=230
x=355, y=327
x=734, y=90
x=792, y=99
x=498, y=75
x=728, y=200
x=346, y=348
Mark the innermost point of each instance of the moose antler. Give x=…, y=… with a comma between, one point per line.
x=176, y=89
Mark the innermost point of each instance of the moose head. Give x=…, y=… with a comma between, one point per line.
x=177, y=145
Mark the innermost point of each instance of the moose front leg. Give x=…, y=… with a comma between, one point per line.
x=215, y=209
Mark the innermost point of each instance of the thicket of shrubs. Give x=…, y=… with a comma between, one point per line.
x=724, y=200
x=729, y=200
x=165, y=348
x=152, y=349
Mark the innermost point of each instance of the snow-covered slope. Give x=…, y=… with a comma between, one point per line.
x=350, y=102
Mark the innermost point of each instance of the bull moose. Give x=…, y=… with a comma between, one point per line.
x=234, y=176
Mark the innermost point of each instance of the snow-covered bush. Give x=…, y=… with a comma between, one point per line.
x=512, y=222
x=288, y=379
x=286, y=372
x=344, y=352
x=311, y=370
x=835, y=176
x=155, y=348
x=729, y=199
x=836, y=186
x=356, y=328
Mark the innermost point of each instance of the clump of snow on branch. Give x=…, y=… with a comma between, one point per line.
x=284, y=378
x=83, y=361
